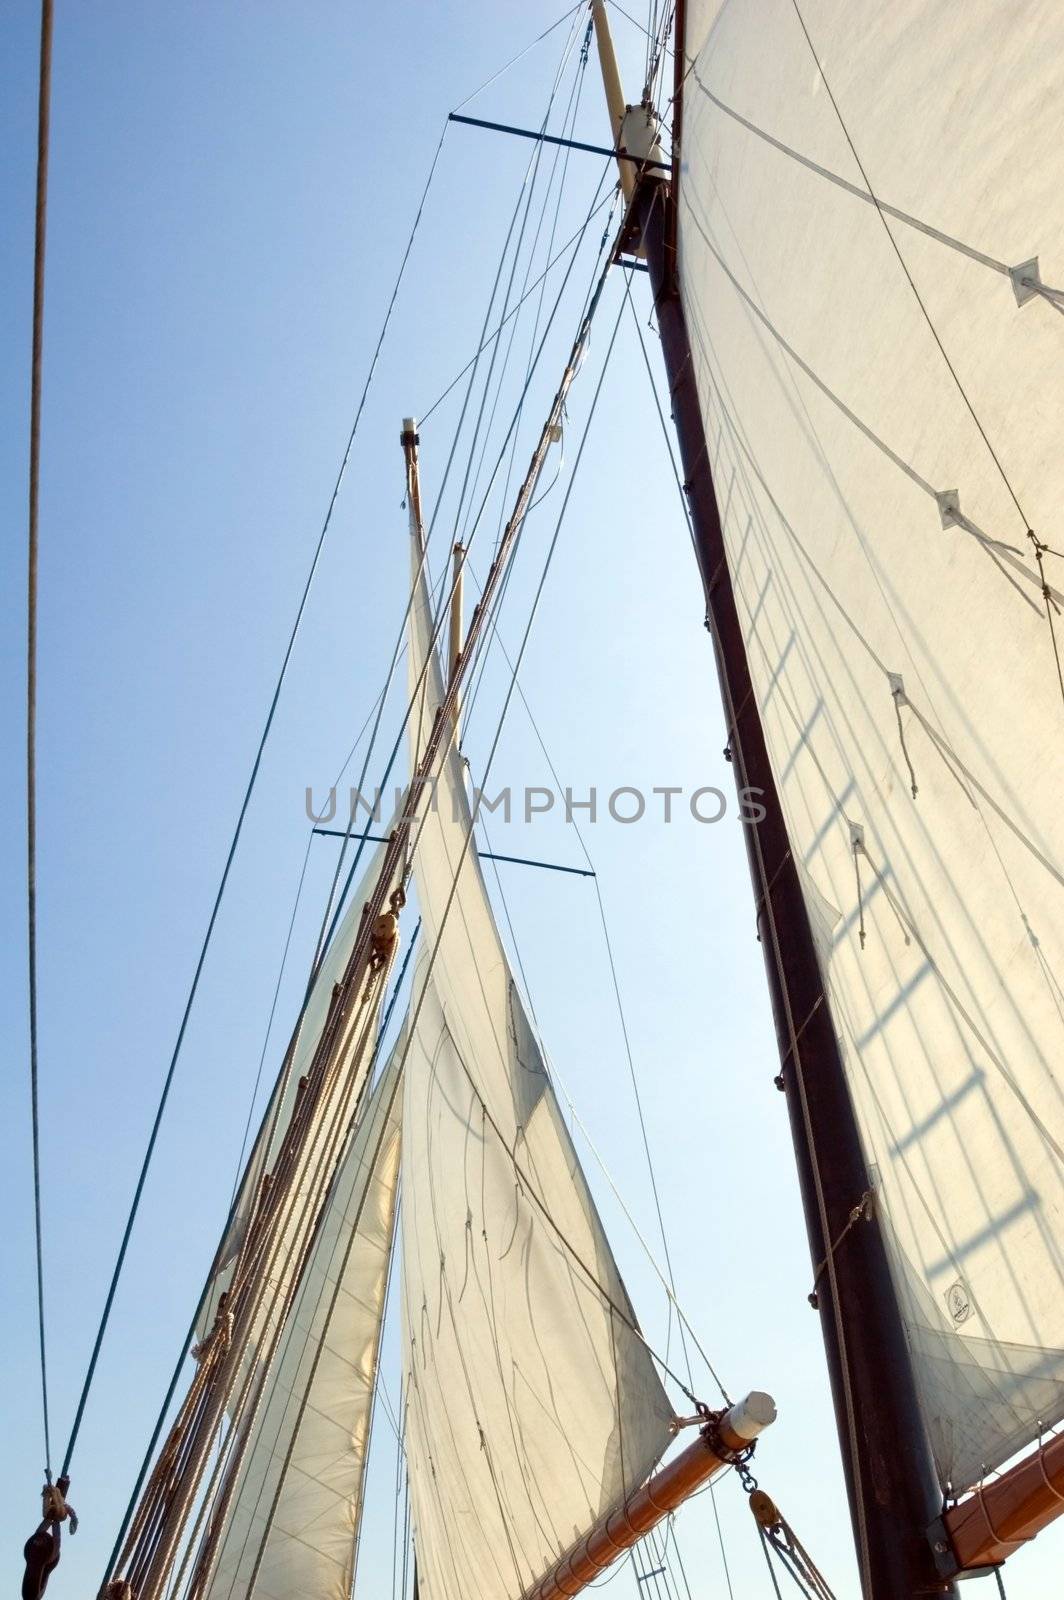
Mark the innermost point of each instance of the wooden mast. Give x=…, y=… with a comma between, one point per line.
x=894, y=1496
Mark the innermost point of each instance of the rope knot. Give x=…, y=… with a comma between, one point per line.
x=42, y=1548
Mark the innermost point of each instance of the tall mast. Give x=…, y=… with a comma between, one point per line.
x=893, y=1493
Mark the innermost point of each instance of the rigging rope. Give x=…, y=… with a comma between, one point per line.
x=574, y=238
x=245, y=803
x=44, y=96
x=330, y=918
x=521, y=54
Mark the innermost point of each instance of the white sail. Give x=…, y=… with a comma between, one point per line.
x=532, y=1405
x=301, y=1053
x=842, y=448
x=293, y=1525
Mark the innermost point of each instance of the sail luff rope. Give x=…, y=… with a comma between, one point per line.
x=282, y=967
x=44, y=100
x=284, y=1162
x=212, y=920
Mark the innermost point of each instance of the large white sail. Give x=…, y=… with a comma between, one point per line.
x=293, y=1525
x=532, y=1404
x=298, y=1062
x=892, y=601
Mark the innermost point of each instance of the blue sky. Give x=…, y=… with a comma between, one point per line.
x=232, y=185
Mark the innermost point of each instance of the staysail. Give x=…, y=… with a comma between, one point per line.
x=293, y=1526
x=532, y=1404
x=298, y=1060
x=200, y=1503
x=875, y=345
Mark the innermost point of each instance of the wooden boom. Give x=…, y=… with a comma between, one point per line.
x=627, y=1523
x=993, y=1522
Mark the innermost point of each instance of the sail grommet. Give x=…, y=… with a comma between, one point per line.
x=949, y=506
x=1026, y=281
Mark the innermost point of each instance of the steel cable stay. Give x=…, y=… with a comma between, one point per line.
x=573, y=239
x=528, y=192
x=44, y=92
x=42, y=1549
x=527, y=1188
x=568, y=122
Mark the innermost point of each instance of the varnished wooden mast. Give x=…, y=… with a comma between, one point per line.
x=893, y=1493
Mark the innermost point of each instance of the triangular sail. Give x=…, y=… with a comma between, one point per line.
x=532, y=1404
x=892, y=599
x=297, y=1063
x=293, y=1525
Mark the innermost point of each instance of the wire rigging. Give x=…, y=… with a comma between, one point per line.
x=44, y=102
x=331, y=915
x=470, y=538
